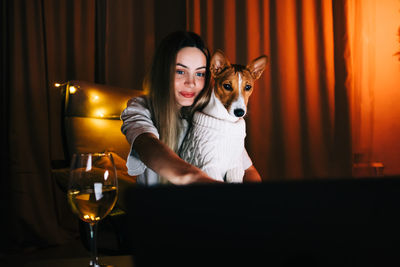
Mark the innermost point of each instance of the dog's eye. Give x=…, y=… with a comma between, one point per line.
x=227, y=86
x=247, y=87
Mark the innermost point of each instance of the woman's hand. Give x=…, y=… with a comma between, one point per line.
x=251, y=175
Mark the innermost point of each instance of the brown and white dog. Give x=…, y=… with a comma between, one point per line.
x=215, y=142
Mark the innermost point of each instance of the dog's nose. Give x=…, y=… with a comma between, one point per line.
x=238, y=112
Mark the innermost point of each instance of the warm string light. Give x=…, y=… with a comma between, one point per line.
x=71, y=88
x=60, y=84
x=97, y=110
x=99, y=114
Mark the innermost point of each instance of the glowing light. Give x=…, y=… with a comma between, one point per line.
x=100, y=113
x=72, y=89
x=106, y=175
x=94, y=95
x=60, y=84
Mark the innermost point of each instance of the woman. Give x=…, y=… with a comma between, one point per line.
x=155, y=124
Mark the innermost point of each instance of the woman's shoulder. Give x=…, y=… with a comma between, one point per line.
x=136, y=106
x=139, y=101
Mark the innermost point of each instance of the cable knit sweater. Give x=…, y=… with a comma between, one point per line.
x=216, y=145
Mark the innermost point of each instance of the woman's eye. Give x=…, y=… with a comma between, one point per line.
x=247, y=87
x=180, y=72
x=200, y=74
x=227, y=86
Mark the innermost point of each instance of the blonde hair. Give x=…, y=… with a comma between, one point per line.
x=159, y=85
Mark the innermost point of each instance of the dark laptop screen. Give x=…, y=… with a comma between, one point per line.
x=270, y=220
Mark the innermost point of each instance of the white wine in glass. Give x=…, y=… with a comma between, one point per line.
x=92, y=192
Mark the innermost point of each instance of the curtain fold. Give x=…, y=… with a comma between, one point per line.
x=70, y=48
x=298, y=120
x=127, y=58
x=342, y=142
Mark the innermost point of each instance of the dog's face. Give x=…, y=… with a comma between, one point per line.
x=233, y=83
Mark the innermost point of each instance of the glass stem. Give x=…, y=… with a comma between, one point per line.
x=93, y=245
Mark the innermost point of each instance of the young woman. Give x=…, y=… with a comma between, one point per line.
x=155, y=124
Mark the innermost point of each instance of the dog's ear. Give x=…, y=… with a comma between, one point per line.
x=218, y=63
x=257, y=66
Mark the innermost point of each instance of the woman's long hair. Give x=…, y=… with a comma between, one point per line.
x=159, y=84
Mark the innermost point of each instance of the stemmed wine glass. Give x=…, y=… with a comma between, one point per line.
x=92, y=191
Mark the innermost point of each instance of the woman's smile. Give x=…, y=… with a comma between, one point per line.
x=187, y=94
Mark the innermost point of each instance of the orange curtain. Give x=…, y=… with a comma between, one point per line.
x=298, y=124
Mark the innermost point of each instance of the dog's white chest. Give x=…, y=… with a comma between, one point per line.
x=214, y=145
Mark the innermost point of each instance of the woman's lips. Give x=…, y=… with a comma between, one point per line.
x=187, y=94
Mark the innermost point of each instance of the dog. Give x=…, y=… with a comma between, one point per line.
x=215, y=141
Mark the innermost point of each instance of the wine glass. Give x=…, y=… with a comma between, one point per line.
x=92, y=192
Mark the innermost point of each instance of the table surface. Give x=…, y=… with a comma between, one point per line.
x=115, y=261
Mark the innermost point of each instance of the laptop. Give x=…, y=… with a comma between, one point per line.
x=327, y=222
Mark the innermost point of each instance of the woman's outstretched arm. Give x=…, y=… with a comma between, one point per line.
x=161, y=159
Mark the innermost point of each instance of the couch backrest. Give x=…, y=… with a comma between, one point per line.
x=92, y=117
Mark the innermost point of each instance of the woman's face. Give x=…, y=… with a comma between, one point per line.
x=190, y=71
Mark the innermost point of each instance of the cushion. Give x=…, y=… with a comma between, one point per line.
x=85, y=134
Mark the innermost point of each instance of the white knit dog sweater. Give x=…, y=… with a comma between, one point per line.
x=216, y=145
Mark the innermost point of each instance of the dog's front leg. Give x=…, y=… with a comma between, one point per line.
x=235, y=175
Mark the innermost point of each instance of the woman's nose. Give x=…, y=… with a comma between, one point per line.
x=189, y=81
